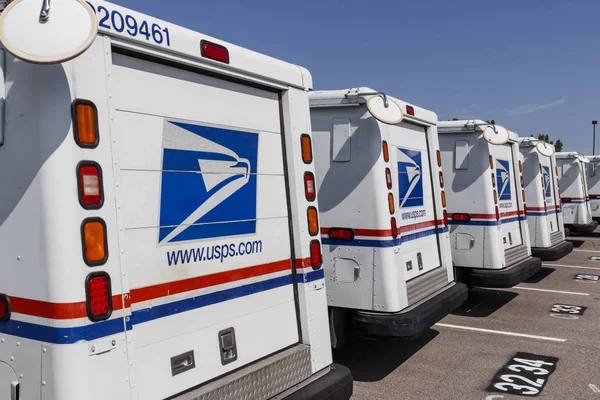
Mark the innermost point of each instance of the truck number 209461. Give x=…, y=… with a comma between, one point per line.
x=114, y=20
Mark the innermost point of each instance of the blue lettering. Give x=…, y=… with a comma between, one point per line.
x=214, y=252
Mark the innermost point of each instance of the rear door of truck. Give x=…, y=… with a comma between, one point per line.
x=550, y=193
x=508, y=187
x=418, y=218
x=205, y=223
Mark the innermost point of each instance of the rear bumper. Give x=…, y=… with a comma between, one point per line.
x=506, y=277
x=334, y=385
x=552, y=253
x=583, y=228
x=415, y=320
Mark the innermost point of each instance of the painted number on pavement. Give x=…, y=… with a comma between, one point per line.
x=568, y=309
x=524, y=375
x=585, y=277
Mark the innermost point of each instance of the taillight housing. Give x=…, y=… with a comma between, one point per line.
x=565, y=199
x=316, y=259
x=214, y=51
x=306, y=147
x=461, y=217
x=98, y=296
x=439, y=158
x=445, y=217
x=341, y=234
x=386, y=153
x=491, y=162
x=520, y=167
x=85, y=123
x=523, y=195
x=443, y=199
x=4, y=308
x=493, y=180
x=497, y=214
x=495, y=197
x=441, y=180
x=94, y=243
x=310, y=190
x=523, y=182
x=89, y=184
x=391, y=205
x=394, y=227
x=410, y=110
x=388, y=178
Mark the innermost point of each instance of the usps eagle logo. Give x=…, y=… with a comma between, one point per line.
x=208, y=182
x=503, y=179
x=410, y=180
x=547, y=186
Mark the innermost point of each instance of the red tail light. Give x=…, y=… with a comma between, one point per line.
x=522, y=182
x=214, y=51
x=461, y=217
x=4, y=308
x=99, y=297
x=541, y=169
x=90, y=185
x=493, y=180
x=410, y=110
x=497, y=214
x=566, y=199
x=525, y=208
x=388, y=178
x=491, y=163
x=309, y=186
x=394, y=227
x=341, y=234
x=545, y=207
x=445, y=217
x=316, y=259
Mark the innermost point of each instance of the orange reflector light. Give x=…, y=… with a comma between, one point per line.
x=391, y=203
x=316, y=259
x=306, y=145
x=341, y=234
x=520, y=167
x=4, y=308
x=493, y=180
x=410, y=110
x=94, y=241
x=85, y=123
x=386, y=154
x=523, y=195
x=388, y=178
x=439, y=158
x=441, y=180
x=90, y=185
x=214, y=51
x=491, y=163
x=443, y=199
x=98, y=296
x=309, y=186
x=495, y=197
x=497, y=214
x=394, y=227
x=461, y=217
x=313, y=221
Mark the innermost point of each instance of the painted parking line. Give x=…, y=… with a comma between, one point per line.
x=504, y=333
x=569, y=266
x=594, y=388
x=584, y=238
x=550, y=291
x=587, y=251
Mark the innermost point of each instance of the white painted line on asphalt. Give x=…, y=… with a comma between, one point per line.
x=550, y=291
x=569, y=266
x=587, y=251
x=594, y=388
x=505, y=333
x=584, y=238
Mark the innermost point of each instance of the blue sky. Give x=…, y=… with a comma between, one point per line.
x=533, y=66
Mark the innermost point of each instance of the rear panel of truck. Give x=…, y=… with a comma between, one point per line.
x=374, y=270
x=573, y=191
x=593, y=180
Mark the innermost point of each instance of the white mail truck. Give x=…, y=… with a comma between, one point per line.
x=572, y=180
x=593, y=181
x=381, y=189
x=489, y=235
x=544, y=217
x=159, y=232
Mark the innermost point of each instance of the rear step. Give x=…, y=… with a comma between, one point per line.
x=423, y=285
x=555, y=238
x=515, y=254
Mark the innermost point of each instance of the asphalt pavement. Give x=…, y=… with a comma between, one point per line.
x=462, y=356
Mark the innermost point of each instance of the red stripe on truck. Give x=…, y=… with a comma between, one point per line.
x=46, y=309
x=388, y=232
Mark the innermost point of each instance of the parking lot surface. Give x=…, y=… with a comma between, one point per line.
x=553, y=315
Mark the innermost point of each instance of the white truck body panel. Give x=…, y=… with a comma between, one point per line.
x=485, y=239
x=374, y=270
x=572, y=181
x=205, y=214
x=544, y=214
x=593, y=181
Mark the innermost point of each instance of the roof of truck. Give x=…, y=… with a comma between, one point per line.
x=572, y=154
x=184, y=47
x=469, y=126
x=531, y=142
x=349, y=97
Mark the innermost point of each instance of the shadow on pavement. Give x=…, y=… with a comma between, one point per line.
x=371, y=360
x=576, y=243
x=541, y=275
x=484, y=302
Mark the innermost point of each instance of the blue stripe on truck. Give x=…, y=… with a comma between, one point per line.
x=383, y=242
